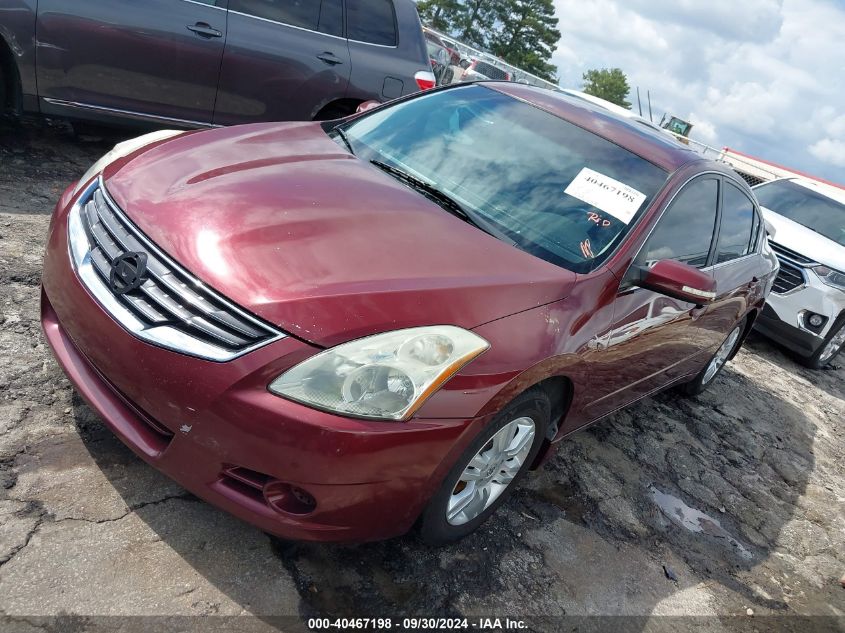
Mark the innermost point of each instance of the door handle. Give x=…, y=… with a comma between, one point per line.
x=204, y=30
x=330, y=58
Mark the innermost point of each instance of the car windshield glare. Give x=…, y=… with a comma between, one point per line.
x=551, y=188
x=804, y=206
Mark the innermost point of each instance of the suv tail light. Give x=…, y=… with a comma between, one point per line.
x=425, y=80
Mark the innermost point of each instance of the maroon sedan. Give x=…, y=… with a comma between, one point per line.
x=336, y=331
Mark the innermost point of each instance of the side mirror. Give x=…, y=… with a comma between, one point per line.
x=367, y=105
x=770, y=228
x=677, y=280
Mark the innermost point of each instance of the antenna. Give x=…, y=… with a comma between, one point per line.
x=650, y=117
x=639, y=103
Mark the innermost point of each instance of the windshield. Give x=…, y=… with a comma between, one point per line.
x=804, y=206
x=549, y=187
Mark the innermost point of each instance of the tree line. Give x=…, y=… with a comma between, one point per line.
x=524, y=33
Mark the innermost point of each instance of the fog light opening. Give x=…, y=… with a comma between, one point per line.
x=289, y=499
x=816, y=320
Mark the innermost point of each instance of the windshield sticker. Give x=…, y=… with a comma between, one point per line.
x=606, y=194
x=586, y=249
x=600, y=221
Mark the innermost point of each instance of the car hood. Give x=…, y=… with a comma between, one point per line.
x=284, y=222
x=797, y=237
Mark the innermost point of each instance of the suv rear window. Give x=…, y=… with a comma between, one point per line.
x=371, y=21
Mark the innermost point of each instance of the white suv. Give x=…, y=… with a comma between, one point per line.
x=806, y=309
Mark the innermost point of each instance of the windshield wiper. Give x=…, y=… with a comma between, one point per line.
x=343, y=137
x=432, y=193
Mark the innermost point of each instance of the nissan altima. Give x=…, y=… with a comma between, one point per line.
x=339, y=331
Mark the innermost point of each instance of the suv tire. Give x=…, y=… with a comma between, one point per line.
x=832, y=346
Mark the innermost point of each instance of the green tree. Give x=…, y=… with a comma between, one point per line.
x=440, y=14
x=522, y=32
x=609, y=84
x=526, y=35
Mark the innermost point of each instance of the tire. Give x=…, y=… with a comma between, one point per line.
x=529, y=412
x=833, y=345
x=716, y=363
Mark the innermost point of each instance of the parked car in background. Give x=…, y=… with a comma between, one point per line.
x=385, y=337
x=448, y=45
x=440, y=58
x=477, y=69
x=211, y=62
x=806, y=310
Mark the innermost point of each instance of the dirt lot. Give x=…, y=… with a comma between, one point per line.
x=723, y=505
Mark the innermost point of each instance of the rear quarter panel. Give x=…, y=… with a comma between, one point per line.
x=387, y=72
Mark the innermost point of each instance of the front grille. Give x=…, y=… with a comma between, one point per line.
x=783, y=252
x=171, y=308
x=789, y=277
x=792, y=264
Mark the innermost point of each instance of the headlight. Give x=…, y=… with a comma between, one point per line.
x=386, y=376
x=124, y=149
x=830, y=277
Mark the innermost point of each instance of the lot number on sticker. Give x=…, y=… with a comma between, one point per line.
x=607, y=194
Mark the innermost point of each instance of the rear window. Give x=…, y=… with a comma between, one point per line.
x=371, y=21
x=546, y=186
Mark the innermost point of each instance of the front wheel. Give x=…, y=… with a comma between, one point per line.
x=833, y=344
x=487, y=472
x=714, y=366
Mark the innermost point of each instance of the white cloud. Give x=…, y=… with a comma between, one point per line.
x=762, y=76
x=830, y=150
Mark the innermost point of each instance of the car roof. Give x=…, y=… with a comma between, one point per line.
x=653, y=145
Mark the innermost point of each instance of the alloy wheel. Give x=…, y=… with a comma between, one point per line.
x=833, y=346
x=490, y=471
x=721, y=356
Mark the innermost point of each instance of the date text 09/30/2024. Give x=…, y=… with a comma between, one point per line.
x=426, y=624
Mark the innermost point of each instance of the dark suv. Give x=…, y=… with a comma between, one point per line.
x=195, y=63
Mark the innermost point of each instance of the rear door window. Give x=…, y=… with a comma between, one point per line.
x=325, y=16
x=371, y=21
x=737, y=237
x=685, y=231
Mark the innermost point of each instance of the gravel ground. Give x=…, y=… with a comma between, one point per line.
x=728, y=505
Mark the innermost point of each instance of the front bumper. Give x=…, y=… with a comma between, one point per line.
x=786, y=317
x=205, y=424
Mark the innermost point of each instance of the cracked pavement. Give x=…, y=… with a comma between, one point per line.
x=736, y=495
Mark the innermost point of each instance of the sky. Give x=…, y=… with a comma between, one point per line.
x=764, y=77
